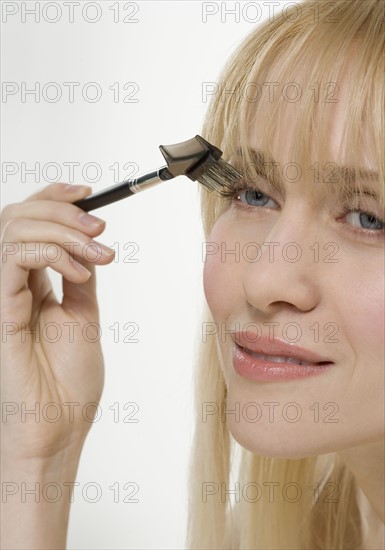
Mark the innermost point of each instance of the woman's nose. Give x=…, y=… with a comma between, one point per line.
x=286, y=273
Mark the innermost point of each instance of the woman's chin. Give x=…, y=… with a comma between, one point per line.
x=275, y=441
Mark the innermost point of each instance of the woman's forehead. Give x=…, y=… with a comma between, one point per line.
x=334, y=119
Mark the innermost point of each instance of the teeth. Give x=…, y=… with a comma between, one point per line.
x=279, y=359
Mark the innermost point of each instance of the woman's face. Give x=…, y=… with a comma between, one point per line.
x=318, y=286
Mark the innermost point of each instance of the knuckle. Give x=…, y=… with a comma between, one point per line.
x=75, y=237
x=50, y=190
x=58, y=185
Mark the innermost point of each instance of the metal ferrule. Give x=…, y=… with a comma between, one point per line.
x=146, y=181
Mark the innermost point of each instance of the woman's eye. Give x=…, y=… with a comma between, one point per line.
x=253, y=197
x=364, y=220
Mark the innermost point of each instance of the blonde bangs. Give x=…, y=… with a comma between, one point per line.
x=284, y=67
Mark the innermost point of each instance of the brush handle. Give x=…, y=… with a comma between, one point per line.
x=124, y=189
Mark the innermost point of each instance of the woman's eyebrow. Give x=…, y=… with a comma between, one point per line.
x=261, y=167
x=269, y=169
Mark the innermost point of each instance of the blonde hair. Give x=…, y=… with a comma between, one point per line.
x=295, y=45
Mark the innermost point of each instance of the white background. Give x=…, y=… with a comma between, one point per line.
x=170, y=52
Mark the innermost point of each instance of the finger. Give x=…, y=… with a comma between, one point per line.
x=61, y=192
x=60, y=212
x=49, y=243
x=16, y=296
x=40, y=286
x=20, y=231
x=81, y=297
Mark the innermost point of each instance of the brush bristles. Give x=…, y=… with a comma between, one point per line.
x=220, y=177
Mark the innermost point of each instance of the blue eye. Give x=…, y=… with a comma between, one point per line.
x=253, y=197
x=368, y=221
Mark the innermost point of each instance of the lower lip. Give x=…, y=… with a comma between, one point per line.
x=258, y=369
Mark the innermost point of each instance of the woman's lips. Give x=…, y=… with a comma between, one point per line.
x=280, y=359
x=267, y=359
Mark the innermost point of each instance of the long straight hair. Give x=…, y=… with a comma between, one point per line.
x=311, y=47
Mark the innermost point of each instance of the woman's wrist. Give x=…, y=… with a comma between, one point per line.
x=59, y=463
x=36, y=498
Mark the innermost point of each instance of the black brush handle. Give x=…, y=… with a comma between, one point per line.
x=124, y=189
x=105, y=196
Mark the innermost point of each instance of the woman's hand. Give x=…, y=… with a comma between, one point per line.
x=52, y=362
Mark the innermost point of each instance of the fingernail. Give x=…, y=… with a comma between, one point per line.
x=101, y=249
x=87, y=219
x=107, y=252
x=81, y=269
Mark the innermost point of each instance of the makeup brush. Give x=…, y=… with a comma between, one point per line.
x=196, y=158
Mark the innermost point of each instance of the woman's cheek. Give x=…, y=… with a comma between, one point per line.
x=212, y=276
x=218, y=274
x=365, y=318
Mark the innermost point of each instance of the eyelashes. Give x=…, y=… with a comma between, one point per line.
x=376, y=232
x=251, y=200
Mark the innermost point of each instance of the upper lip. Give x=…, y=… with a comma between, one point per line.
x=270, y=346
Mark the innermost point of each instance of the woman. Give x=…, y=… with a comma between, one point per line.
x=292, y=357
